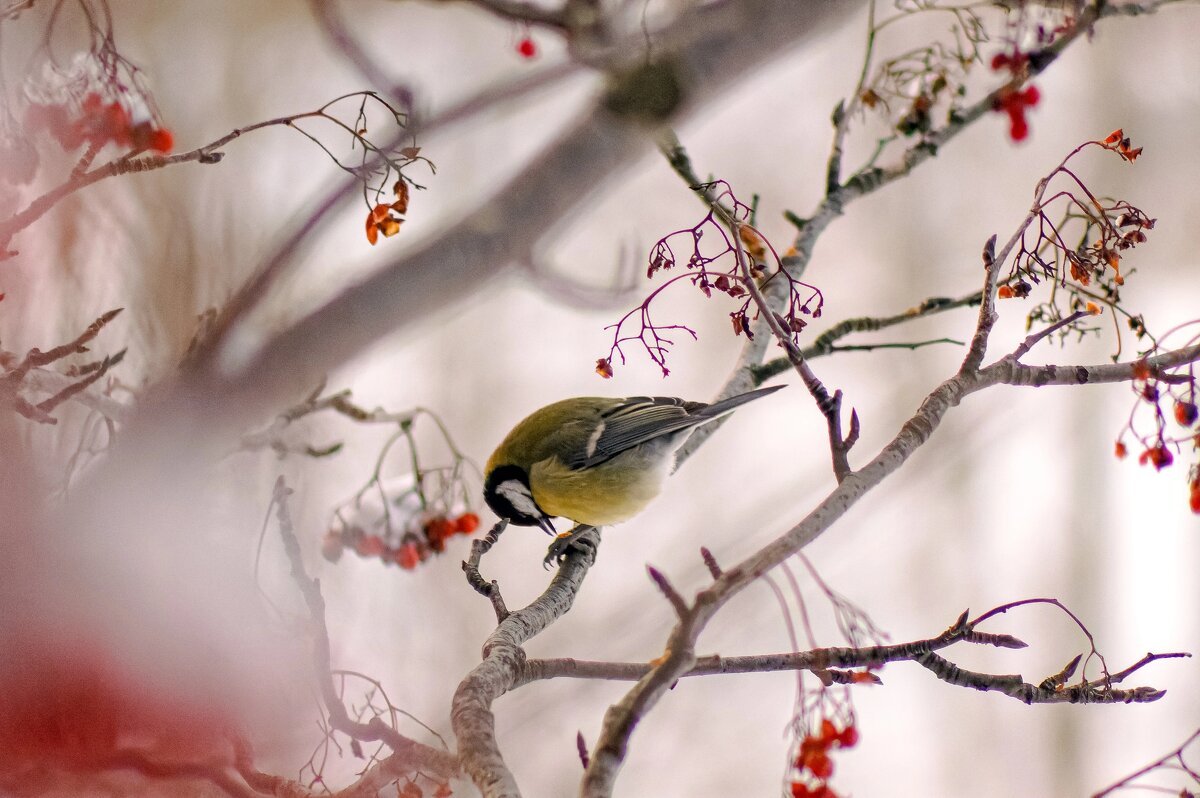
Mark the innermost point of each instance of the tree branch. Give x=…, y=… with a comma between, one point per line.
x=503, y=662
x=621, y=718
x=409, y=754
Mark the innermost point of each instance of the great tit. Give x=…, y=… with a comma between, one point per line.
x=593, y=460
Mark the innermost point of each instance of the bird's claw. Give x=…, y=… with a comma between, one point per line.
x=562, y=543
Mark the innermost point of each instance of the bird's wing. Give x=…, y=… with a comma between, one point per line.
x=633, y=422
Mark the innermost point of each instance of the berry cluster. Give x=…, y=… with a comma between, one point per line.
x=413, y=547
x=1155, y=391
x=1011, y=99
x=96, y=123
x=725, y=252
x=1078, y=240
x=813, y=762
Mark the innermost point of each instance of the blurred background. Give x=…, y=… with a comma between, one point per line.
x=1017, y=495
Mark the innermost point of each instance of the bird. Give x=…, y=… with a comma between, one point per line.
x=593, y=460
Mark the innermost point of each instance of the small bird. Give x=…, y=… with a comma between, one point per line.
x=593, y=460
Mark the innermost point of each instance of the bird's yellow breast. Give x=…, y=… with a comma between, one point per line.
x=609, y=493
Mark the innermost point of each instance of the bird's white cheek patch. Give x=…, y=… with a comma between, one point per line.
x=519, y=497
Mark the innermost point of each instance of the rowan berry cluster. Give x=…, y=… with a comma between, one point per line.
x=813, y=761
x=421, y=541
x=724, y=252
x=96, y=122
x=1172, y=401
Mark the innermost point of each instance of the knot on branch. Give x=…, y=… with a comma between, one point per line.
x=649, y=92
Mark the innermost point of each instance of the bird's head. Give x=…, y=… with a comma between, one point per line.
x=507, y=492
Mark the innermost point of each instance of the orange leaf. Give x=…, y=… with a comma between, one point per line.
x=389, y=226
x=401, y=203
x=752, y=241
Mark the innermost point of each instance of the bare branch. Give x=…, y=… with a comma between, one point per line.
x=622, y=717
x=528, y=13
x=1161, y=762
x=1016, y=687
x=665, y=587
x=707, y=55
x=411, y=754
x=334, y=26
x=503, y=661
x=489, y=590
x=987, y=307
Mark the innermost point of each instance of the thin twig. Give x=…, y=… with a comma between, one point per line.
x=1176, y=754
x=415, y=756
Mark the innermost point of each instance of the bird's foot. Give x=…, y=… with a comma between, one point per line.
x=574, y=538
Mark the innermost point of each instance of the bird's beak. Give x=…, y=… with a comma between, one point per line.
x=545, y=523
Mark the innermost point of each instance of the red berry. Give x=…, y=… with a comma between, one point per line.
x=437, y=530
x=1019, y=128
x=1186, y=413
x=370, y=546
x=821, y=765
x=526, y=48
x=467, y=523
x=408, y=556
x=161, y=140
x=331, y=547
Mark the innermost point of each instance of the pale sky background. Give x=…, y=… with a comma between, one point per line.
x=1016, y=496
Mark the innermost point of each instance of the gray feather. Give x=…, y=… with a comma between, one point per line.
x=640, y=419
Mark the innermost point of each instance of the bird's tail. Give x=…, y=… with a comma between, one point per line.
x=723, y=406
